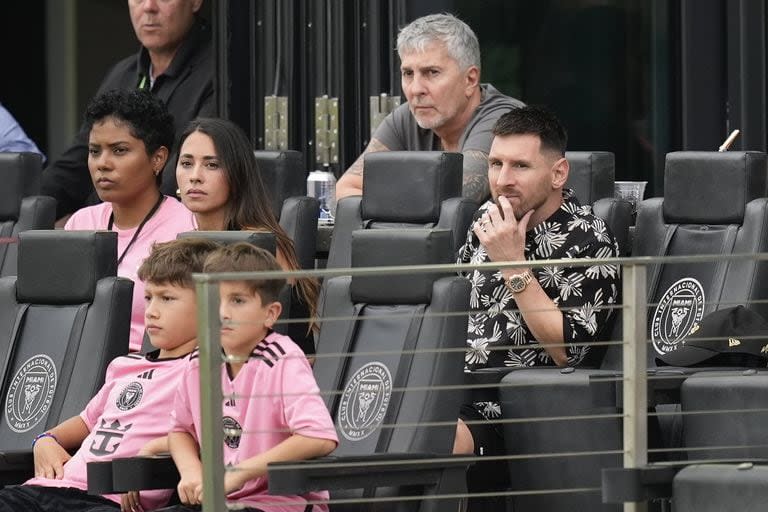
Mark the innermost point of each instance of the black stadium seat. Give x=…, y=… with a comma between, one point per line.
x=399, y=334
x=714, y=203
x=683, y=222
x=20, y=206
x=62, y=320
x=285, y=180
x=406, y=345
x=591, y=177
x=722, y=433
x=404, y=189
x=719, y=487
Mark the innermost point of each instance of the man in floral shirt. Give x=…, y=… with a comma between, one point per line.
x=524, y=317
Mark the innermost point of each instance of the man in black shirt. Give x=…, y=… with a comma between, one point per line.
x=175, y=62
x=526, y=317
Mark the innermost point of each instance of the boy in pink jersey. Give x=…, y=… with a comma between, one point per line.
x=276, y=407
x=129, y=415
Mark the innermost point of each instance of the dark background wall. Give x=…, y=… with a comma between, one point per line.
x=98, y=32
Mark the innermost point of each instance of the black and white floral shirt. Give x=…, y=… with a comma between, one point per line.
x=497, y=334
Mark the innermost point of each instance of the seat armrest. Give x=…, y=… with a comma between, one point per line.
x=664, y=384
x=380, y=470
x=652, y=481
x=484, y=383
x=99, y=477
x=133, y=474
x=621, y=485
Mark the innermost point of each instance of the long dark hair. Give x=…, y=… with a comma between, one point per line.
x=249, y=206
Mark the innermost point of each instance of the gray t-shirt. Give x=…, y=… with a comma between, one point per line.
x=400, y=132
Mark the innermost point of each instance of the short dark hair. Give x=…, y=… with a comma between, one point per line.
x=175, y=261
x=145, y=114
x=245, y=257
x=534, y=120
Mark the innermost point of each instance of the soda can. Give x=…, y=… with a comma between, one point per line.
x=322, y=185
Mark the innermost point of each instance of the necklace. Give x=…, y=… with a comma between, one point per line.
x=138, y=229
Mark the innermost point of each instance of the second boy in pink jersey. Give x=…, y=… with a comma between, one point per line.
x=278, y=407
x=129, y=415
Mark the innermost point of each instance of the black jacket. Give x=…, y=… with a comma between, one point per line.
x=186, y=87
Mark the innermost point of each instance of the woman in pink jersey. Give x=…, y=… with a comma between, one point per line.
x=131, y=133
x=219, y=181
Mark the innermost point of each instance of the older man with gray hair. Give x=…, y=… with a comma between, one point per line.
x=448, y=109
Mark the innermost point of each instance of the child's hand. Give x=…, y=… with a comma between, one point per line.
x=49, y=458
x=190, y=488
x=129, y=502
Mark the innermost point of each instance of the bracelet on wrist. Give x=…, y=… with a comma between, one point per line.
x=40, y=436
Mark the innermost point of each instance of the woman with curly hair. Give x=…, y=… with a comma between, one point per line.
x=130, y=136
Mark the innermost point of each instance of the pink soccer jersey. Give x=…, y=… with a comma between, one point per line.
x=130, y=410
x=170, y=219
x=277, y=396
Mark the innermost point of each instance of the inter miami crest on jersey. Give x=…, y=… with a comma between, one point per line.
x=130, y=396
x=232, y=432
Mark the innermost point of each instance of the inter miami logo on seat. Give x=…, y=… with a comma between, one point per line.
x=364, y=401
x=30, y=393
x=677, y=315
x=130, y=396
x=232, y=432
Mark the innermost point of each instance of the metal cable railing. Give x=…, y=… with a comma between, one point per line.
x=632, y=382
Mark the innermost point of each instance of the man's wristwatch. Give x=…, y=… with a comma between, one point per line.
x=517, y=282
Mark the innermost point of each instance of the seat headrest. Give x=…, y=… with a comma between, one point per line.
x=283, y=175
x=409, y=186
x=263, y=239
x=63, y=267
x=591, y=174
x=20, y=176
x=398, y=247
x=695, y=181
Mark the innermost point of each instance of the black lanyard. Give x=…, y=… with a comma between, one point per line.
x=138, y=229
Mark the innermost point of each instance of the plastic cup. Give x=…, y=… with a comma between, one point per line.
x=632, y=191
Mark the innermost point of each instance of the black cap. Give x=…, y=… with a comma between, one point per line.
x=733, y=336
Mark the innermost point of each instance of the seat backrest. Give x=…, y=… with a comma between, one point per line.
x=20, y=208
x=285, y=180
x=283, y=175
x=396, y=332
x=592, y=174
x=591, y=177
x=714, y=203
x=404, y=189
x=62, y=320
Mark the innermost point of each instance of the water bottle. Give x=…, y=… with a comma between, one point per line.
x=322, y=185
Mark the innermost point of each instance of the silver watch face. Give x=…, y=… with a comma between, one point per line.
x=517, y=283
